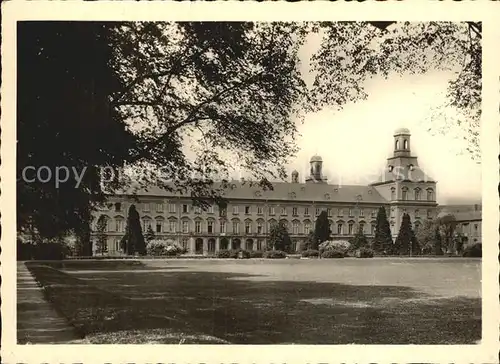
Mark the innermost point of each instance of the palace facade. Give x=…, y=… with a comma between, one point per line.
x=246, y=220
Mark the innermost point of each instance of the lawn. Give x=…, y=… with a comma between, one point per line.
x=334, y=301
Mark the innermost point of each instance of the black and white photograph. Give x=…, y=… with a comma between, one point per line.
x=248, y=182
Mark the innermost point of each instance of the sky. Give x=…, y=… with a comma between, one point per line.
x=356, y=141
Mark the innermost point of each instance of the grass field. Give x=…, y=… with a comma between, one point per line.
x=334, y=301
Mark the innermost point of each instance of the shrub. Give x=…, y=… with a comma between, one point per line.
x=223, y=254
x=332, y=254
x=274, y=254
x=310, y=253
x=256, y=254
x=337, y=245
x=364, y=253
x=163, y=248
x=474, y=250
x=242, y=254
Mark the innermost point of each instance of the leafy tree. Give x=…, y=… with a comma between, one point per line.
x=438, y=243
x=459, y=241
x=426, y=236
x=150, y=235
x=359, y=240
x=355, y=51
x=279, y=239
x=447, y=224
x=406, y=243
x=130, y=94
x=322, y=230
x=382, y=243
x=139, y=90
x=133, y=239
x=310, y=240
x=101, y=237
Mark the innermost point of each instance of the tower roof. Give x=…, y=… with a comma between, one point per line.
x=316, y=158
x=402, y=131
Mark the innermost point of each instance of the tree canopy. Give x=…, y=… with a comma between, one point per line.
x=125, y=95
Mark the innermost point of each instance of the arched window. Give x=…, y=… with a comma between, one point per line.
x=393, y=193
x=430, y=195
x=397, y=145
x=295, y=227
x=236, y=227
x=351, y=228
x=417, y=194
x=307, y=227
x=248, y=227
x=340, y=228
x=405, y=144
x=260, y=228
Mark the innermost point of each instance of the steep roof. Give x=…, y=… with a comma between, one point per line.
x=317, y=192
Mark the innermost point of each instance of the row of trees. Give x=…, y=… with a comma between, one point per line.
x=433, y=237
x=139, y=90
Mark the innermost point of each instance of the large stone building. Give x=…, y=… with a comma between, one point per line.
x=402, y=188
x=468, y=218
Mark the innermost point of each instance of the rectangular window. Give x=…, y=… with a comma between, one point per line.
x=171, y=207
x=185, y=209
x=329, y=212
x=211, y=209
x=247, y=210
x=158, y=227
x=235, y=210
x=159, y=207
x=339, y=229
x=361, y=212
x=259, y=228
x=173, y=226
x=259, y=244
x=318, y=211
x=351, y=213
x=197, y=210
x=210, y=227
x=236, y=227
x=197, y=226
x=185, y=227
x=351, y=226
x=306, y=211
x=341, y=212
x=222, y=227
x=222, y=211
x=259, y=210
x=271, y=210
x=429, y=214
x=295, y=228
x=283, y=211
x=374, y=213
x=145, y=207
x=118, y=207
x=295, y=211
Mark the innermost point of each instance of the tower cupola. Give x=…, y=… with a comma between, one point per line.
x=316, y=169
x=295, y=176
x=402, y=142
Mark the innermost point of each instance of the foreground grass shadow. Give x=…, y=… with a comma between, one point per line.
x=244, y=311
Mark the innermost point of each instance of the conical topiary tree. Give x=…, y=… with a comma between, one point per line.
x=359, y=240
x=382, y=243
x=321, y=230
x=279, y=239
x=438, y=243
x=405, y=242
x=134, y=240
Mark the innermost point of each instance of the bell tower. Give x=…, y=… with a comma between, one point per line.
x=402, y=143
x=316, y=170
